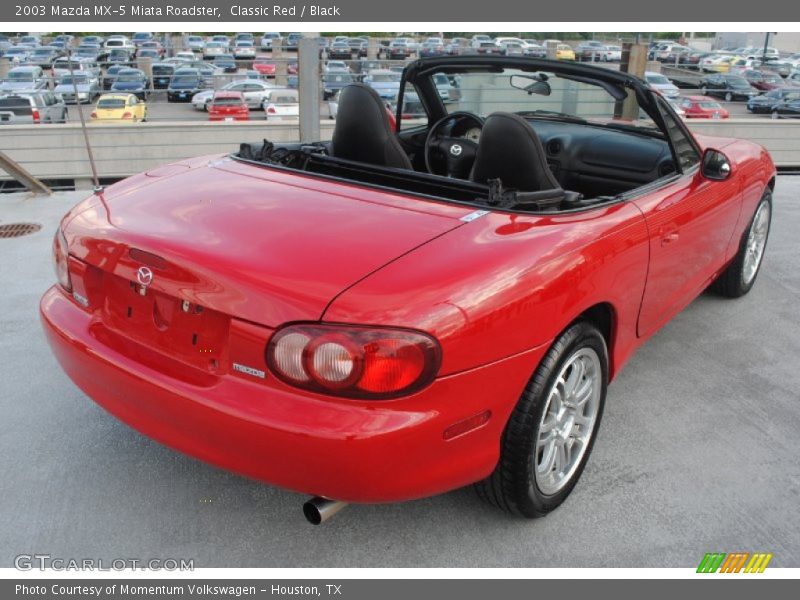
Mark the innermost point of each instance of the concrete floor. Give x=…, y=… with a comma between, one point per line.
x=698, y=452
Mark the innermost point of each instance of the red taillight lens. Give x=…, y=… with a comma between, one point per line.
x=60, y=260
x=271, y=110
x=354, y=361
x=93, y=115
x=127, y=115
x=35, y=114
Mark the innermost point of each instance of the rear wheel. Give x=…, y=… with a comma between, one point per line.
x=550, y=434
x=738, y=278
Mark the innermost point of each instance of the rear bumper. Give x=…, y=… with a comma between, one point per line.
x=347, y=450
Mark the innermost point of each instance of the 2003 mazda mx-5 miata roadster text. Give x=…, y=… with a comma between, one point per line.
x=403, y=311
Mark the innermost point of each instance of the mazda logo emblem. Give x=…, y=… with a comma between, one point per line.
x=144, y=275
x=455, y=150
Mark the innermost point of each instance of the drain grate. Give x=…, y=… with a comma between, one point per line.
x=18, y=229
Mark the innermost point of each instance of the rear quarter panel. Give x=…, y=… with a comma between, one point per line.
x=503, y=283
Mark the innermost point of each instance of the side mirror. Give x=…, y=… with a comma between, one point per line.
x=715, y=165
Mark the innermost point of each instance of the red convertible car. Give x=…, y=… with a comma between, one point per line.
x=403, y=311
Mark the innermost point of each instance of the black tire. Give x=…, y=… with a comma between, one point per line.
x=512, y=486
x=731, y=282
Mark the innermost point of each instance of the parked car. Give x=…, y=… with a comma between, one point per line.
x=226, y=63
x=43, y=56
x=150, y=53
x=92, y=39
x=119, y=108
x=43, y=106
x=339, y=51
x=265, y=66
x=244, y=49
x=383, y=81
x=184, y=56
x=349, y=305
x=487, y=47
x=535, y=50
x=432, y=47
x=24, y=79
x=613, y=53
x=281, y=104
x=213, y=49
x=141, y=37
x=591, y=50
x=195, y=43
x=153, y=47
x=565, y=52
x=660, y=82
x=17, y=55
x=162, y=75
x=291, y=41
x=337, y=66
x=252, y=90
x=184, y=85
x=790, y=109
x=266, y=40
x=333, y=82
x=111, y=74
x=772, y=100
x=763, y=80
x=397, y=50
x=700, y=107
x=120, y=56
x=228, y=106
x=729, y=87
x=80, y=87
x=133, y=81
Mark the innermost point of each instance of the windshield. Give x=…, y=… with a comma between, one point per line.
x=68, y=79
x=708, y=105
x=20, y=76
x=540, y=95
x=738, y=82
x=386, y=77
x=185, y=80
x=129, y=77
x=658, y=80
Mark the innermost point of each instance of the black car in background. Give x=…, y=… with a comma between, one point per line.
x=226, y=63
x=162, y=75
x=340, y=51
x=185, y=84
x=131, y=81
x=333, y=82
x=728, y=87
x=291, y=41
x=773, y=101
x=111, y=75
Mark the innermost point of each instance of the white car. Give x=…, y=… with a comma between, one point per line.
x=659, y=82
x=613, y=53
x=253, y=90
x=281, y=104
x=184, y=56
x=213, y=49
x=244, y=49
x=266, y=40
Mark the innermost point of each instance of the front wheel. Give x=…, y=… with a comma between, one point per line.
x=552, y=429
x=738, y=278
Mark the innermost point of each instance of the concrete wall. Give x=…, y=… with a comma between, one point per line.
x=58, y=151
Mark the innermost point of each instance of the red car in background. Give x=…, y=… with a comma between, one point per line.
x=228, y=106
x=398, y=313
x=702, y=107
x=265, y=66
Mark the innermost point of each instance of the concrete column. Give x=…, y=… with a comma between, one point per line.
x=551, y=50
x=5, y=67
x=146, y=64
x=309, y=92
x=280, y=62
x=634, y=61
x=372, y=48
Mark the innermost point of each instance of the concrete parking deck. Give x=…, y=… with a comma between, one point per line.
x=698, y=452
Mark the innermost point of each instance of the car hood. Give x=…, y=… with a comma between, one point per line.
x=68, y=88
x=256, y=243
x=18, y=86
x=128, y=85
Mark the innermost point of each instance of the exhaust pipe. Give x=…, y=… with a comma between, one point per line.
x=318, y=509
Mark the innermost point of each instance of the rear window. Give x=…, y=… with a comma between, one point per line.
x=18, y=106
x=227, y=102
x=109, y=103
x=163, y=70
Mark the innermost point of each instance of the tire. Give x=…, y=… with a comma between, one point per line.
x=739, y=277
x=515, y=486
x=728, y=97
x=703, y=91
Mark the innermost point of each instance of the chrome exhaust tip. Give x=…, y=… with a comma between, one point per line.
x=318, y=509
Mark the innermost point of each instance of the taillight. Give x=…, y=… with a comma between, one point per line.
x=354, y=361
x=93, y=115
x=61, y=260
x=127, y=115
x=271, y=110
x=35, y=114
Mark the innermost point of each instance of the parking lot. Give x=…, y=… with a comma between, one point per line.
x=697, y=453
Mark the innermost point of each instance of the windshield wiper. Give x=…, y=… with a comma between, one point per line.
x=551, y=114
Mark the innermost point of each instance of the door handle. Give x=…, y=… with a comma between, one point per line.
x=668, y=234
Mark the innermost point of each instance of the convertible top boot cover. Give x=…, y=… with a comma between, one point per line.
x=363, y=133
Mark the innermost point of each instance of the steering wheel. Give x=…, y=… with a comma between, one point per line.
x=447, y=139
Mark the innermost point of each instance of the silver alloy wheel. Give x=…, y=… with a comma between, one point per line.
x=567, y=423
x=756, y=242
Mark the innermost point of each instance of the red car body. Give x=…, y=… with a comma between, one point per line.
x=228, y=106
x=702, y=107
x=240, y=250
x=265, y=68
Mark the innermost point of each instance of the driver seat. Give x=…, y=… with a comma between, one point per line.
x=510, y=150
x=363, y=132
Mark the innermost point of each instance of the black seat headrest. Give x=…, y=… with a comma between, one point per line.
x=362, y=131
x=510, y=150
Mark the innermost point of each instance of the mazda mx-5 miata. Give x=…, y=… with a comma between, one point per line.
x=403, y=311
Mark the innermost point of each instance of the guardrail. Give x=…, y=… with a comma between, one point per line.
x=58, y=152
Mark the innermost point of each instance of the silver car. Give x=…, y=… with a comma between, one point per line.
x=32, y=108
x=253, y=90
x=24, y=79
x=87, y=88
